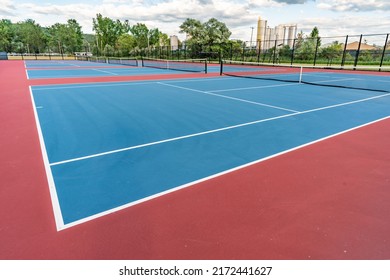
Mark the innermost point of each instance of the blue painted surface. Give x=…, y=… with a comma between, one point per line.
x=86, y=120
x=91, y=69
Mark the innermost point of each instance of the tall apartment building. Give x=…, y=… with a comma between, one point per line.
x=174, y=42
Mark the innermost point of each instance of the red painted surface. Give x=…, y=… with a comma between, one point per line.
x=324, y=201
x=79, y=67
x=119, y=78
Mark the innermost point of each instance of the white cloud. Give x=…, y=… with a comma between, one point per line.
x=338, y=27
x=354, y=5
x=164, y=14
x=7, y=8
x=239, y=15
x=293, y=1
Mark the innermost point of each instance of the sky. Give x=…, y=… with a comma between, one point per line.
x=332, y=17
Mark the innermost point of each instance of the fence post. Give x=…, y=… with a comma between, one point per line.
x=293, y=51
x=231, y=51
x=258, y=50
x=315, y=55
x=344, y=52
x=357, y=53
x=275, y=46
x=384, y=52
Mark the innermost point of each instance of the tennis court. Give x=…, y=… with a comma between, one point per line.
x=112, y=146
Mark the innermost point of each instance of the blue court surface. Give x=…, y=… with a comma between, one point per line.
x=76, y=69
x=108, y=146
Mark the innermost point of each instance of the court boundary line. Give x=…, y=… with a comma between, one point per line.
x=108, y=72
x=145, y=199
x=228, y=97
x=256, y=87
x=112, y=84
x=214, y=130
x=59, y=221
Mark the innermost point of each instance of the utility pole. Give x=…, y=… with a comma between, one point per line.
x=251, y=37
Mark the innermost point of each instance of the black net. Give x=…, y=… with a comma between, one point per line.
x=123, y=61
x=370, y=78
x=189, y=65
x=128, y=61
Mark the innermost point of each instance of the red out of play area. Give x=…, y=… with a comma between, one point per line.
x=325, y=201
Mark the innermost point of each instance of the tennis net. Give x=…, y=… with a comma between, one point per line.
x=128, y=61
x=361, y=78
x=189, y=65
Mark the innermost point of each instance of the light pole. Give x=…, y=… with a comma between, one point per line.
x=251, y=37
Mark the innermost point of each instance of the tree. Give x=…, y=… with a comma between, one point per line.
x=65, y=38
x=164, y=39
x=332, y=52
x=6, y=35
x=141, y=35
x=315, y=35
x=216, y=32
x=108, y=31
x=75, y=39
x=126, y=43
x=193, y=28
x=208, y=33
x=305, y=47
x=32, y=36
x=57, y=40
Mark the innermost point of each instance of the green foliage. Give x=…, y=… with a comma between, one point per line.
x=208, y=33
x=141, y=35
x=108, y=31
x=194, y=30
x=126, y=43
x=6, y=35
x=146, y=38
x=31, y=35
x=331, y=52
x=306, y=46
x=65, y=38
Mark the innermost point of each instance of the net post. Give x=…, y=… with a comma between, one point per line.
x=205, y=66
x=221, y=68
x=300, y=74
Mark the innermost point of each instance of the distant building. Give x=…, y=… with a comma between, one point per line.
x=174, y=43
x=267, y=37
x=363, y=46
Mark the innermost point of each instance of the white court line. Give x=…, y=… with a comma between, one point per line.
x=257, y=87
x=334, y=80
x=104, y=71
x=73, y=64
x=229, y=97
x=52, y=188
x=93, y=85
x=214, y=130
x=127, y=205
x=114, y=84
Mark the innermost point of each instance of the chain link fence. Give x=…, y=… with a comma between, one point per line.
x=349, y=50
x=371, y=49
